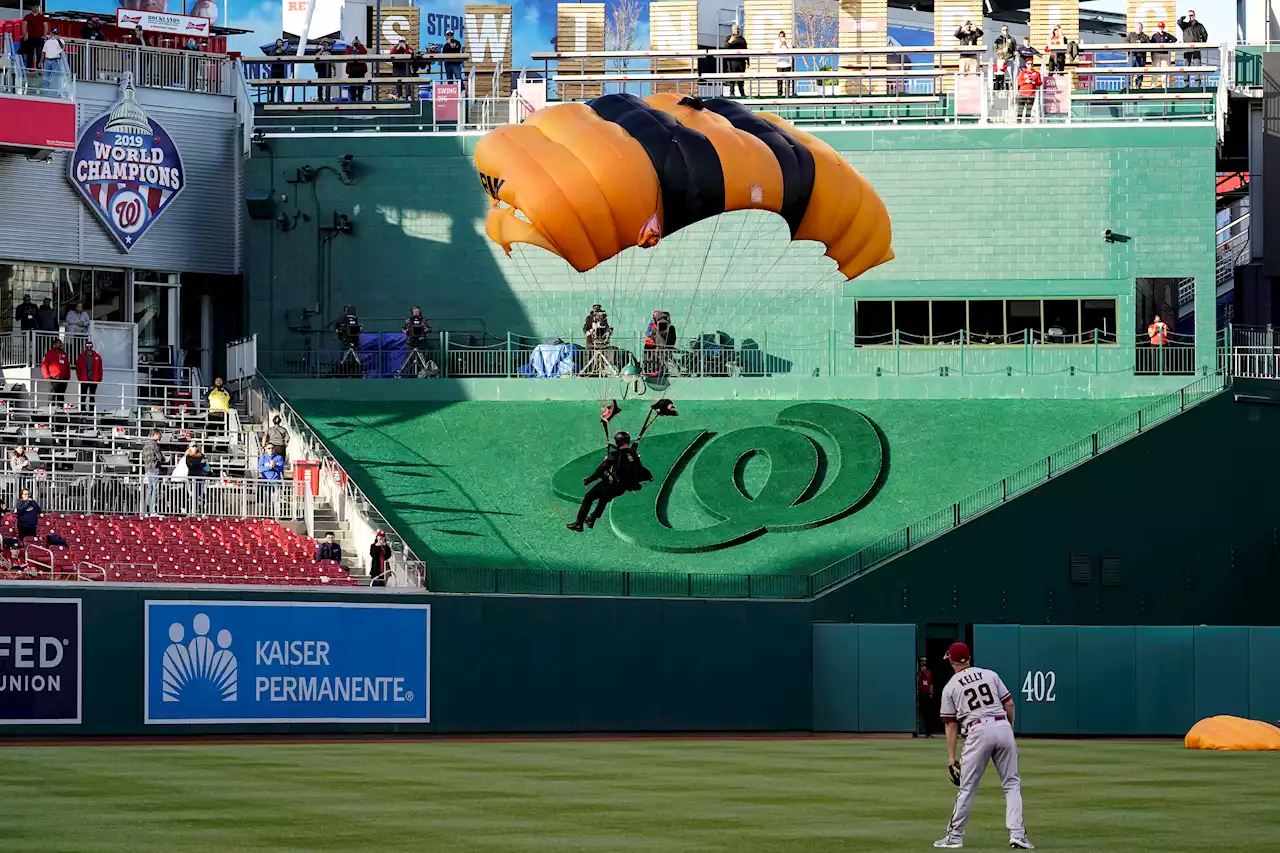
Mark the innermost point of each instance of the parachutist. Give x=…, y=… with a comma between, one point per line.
x=620, y=472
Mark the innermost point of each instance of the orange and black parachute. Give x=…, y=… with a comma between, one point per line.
x=588, y=180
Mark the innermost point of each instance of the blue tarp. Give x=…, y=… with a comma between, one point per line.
x=382, y=354
x=550, y=361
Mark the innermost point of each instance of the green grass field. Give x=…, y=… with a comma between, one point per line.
x=469, y=484
x=741, y=796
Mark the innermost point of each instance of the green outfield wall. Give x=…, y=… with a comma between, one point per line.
x=980, y=213
x=153, y=660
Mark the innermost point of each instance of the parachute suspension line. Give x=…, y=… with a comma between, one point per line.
x=697, y=285
x=727, y=278
x=824, y=280
x=756, y=278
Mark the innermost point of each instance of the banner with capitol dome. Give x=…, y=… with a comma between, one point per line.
x=212, y=662
x=127, y=168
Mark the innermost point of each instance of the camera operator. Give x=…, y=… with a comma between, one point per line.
x=347, y=328
x=596, y=328
x=659, y=342
x=416, y=328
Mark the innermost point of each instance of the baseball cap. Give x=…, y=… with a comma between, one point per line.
x=958, y=652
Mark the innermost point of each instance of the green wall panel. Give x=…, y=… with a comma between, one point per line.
x=886, y=678
x=1222, y=671
x=864, y=677
x=1164, y=681
x=1048, y=657
x=1264, y=673
x=1106, y=696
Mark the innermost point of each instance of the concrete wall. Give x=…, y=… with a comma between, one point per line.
x=977, y=212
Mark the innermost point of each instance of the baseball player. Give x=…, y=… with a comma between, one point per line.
x=976, y=703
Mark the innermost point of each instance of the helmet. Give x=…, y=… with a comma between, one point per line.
x=621, y=437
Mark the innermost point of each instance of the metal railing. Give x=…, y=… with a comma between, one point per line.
x=832, y=353
x=349, y=502
x=138, y=494
x=151, y=67
x=1249, y=352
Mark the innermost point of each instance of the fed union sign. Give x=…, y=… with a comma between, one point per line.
x=278, y=662
x=127, y=168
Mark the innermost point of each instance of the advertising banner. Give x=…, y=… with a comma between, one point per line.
x=37, y=123
x=127, y=168
x=162, y=22
x=444, y=101
x=276, y=662
x=40, y=661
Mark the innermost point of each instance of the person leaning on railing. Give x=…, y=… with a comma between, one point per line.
x=733, y=65
x=357, y=69
x=277, y=70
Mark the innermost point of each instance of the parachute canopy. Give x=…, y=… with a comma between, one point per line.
x=1232, y=733
x=589, y=180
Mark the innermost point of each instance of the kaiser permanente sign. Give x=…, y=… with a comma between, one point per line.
x=278, y=662
x=158, y=22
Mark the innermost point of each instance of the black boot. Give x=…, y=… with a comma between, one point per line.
x=591, y=522
x=575, y=526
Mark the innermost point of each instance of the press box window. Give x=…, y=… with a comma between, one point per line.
x=874, y=322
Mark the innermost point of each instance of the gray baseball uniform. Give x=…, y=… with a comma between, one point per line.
x=974, y=698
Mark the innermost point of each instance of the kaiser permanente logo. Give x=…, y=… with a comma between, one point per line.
x=241, y=661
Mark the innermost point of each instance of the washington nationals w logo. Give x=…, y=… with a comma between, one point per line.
x=809, y=483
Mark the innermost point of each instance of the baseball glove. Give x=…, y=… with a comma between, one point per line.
x=953, y=772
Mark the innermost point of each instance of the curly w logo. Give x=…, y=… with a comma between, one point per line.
x=809, y=483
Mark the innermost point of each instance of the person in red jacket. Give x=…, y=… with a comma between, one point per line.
x=89, y=374
x=56, y=368
x=1029, y=83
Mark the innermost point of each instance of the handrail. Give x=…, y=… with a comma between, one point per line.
x=31, y=561
x=322, y=453
x=84, y=565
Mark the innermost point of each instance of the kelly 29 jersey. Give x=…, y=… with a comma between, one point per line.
x=973, y=693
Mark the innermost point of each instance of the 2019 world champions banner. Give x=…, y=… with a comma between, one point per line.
x=127, y=168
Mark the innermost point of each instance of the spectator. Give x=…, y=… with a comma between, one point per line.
x=1029, y=83
x=1137, y=58
x=56, y=368
x=1006, y=46
x=379, y=560
x=154, y=463
x=277, y=436
x=781, y=46
x=324, y=70
x=77, y=320
x=277, y=70
x=1026, y=51
x=27, y=314
x=28, y=513
x=924, y=697
x=968, y=34
x=734, y=65
x=34, y=26
x=18, y=461
x=88, y=374
x=1193, y=32
x=1000, y=74
x=137, y=38
x=271, y=464
x=52, y=52
x=219, y=402
x=452, y=70
x=357, y=69
x=46, y=317
x=329, y=549
x=401, y=67
x=1162, y=59
x=1057, y=50
x=197, y=469
x=1158, y=332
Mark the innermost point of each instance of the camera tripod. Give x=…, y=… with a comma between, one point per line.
x=600, y=364
x=419, y=365
x=351, y=362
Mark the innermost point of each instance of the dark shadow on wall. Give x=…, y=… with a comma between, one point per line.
x=413, y=205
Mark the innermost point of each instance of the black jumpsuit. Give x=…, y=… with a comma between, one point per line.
x=621, y=471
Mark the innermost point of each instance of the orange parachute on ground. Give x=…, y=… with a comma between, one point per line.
x=589, y=180
x=1235, y=733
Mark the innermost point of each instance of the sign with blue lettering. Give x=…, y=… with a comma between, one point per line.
x=280, y=662
x=39, y=661
x=127, y=168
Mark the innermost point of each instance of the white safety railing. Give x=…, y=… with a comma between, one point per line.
x=242, y=359
x=349, y=503
x=139, y=494
x=187, y=70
